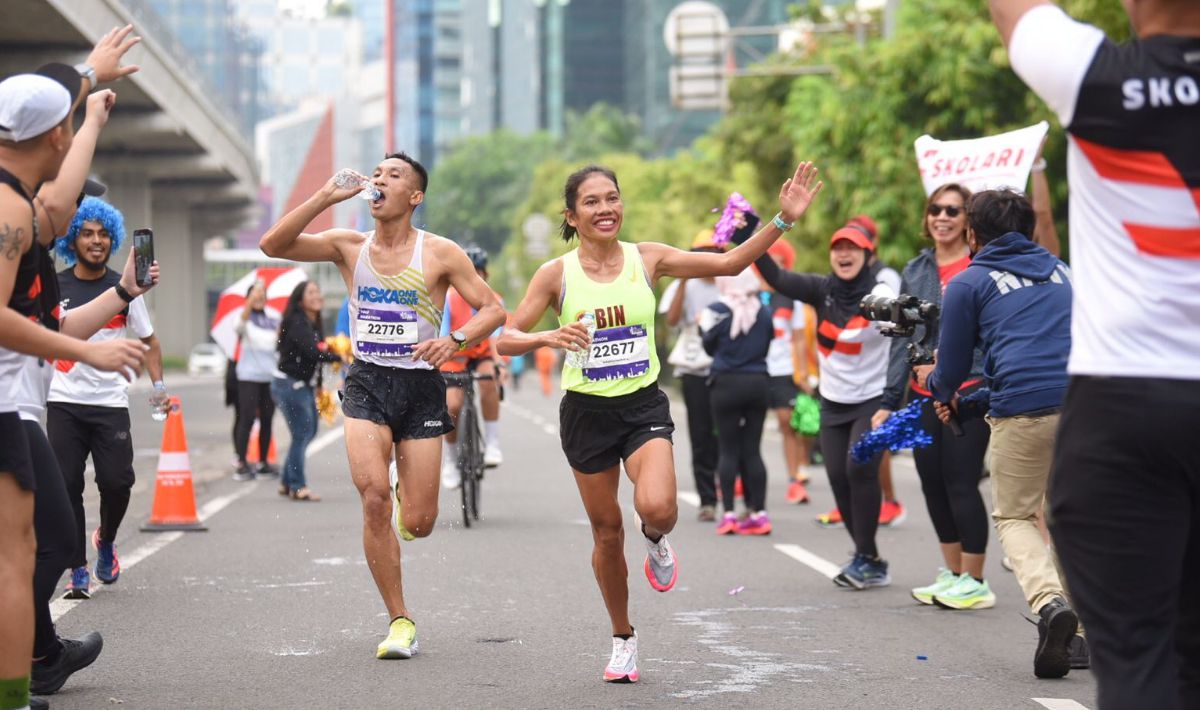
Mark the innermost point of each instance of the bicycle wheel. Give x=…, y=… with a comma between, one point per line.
x=477, y=466
x=469, y=451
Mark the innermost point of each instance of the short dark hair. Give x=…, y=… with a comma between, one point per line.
x=420, y=169
x=571, y=193
x=994, y=213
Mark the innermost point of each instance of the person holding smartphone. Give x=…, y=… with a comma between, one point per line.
x=88, y=409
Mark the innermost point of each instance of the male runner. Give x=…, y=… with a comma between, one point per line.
x=88, y=410
x=395, y=398
x=482, y=359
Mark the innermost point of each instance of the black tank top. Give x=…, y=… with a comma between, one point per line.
x=35, y=290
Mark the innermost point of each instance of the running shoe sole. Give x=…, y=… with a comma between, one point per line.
x=654, y=582
x=388, y=652
x=981, y=603
x=628, y=678
x=77, y=594
x=1053, y=658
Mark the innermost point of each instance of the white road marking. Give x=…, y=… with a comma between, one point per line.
x=811, y=560
x=1059, y=704
x=321, y=442
x=689, y=497
x=59, y=607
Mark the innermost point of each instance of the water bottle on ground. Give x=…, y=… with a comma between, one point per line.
x=348, y=180
x=579, y=358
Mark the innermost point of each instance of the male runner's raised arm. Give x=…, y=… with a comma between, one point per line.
x=58, y=199
x=286, y=239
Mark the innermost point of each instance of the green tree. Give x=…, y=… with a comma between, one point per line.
x=602, y=130
x=945, y=73
x=476, y=188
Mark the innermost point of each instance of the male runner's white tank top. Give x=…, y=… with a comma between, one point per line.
x=391, y=314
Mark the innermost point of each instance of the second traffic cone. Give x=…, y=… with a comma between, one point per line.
x=253, y=454
x=174, y=498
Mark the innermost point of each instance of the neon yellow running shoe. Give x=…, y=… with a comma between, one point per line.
x=945, y=579
x=397, y=522
x=967, y=593
x=401, y=641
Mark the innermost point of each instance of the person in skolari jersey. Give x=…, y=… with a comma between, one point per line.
x=1124, y=499
x=613, y=410
x=395, y=398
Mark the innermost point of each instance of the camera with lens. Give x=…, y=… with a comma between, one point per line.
x=905, y=313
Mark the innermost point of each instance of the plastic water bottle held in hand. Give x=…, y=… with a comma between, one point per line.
x=579, y=358
x=160, y=404
x=348, y=180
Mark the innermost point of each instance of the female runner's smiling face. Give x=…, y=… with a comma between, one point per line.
x=598, y=209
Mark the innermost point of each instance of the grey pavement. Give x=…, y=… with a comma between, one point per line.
x=274, y=607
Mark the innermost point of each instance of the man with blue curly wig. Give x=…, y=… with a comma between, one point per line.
x=88, y=410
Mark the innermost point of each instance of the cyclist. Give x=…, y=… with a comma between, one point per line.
x=482, y=359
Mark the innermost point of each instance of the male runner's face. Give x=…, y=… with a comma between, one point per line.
x=400, y=188
x=93, y=245
x=598, y=208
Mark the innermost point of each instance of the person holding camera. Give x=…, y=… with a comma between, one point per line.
x=950, y=467
x=853, y=358
x=1014, y=303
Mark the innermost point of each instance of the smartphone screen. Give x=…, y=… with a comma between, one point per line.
x=143, y=255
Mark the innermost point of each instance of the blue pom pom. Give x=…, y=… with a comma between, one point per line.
x=902, y=430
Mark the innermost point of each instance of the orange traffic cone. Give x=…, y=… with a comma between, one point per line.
x=174, y=499
x=252, y=452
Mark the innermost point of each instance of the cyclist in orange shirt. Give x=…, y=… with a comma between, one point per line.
x=480, y=358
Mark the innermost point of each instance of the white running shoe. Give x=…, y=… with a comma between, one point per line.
x=492, y=457
x=661, y=568
x=450, y=476
x=622, y=667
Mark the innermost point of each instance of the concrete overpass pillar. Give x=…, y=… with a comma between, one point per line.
x=178, y=306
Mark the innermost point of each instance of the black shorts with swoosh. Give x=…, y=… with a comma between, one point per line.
x=597, y=433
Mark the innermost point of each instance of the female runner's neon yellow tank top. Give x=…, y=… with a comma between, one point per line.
x=622, y=358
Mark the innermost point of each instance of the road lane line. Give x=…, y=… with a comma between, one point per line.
x=811, y=560
x=689, y=497
x=319, y=444
x=1059, y=704
x=59, y=607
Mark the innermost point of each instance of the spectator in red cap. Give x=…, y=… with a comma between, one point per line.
x=891, y=510
x=853, y=365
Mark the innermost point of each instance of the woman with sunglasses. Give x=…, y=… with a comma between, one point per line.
x=853, y=359
x=950, y=467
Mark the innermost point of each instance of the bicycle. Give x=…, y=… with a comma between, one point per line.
x=470, y=443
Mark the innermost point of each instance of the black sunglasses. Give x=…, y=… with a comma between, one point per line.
x=936, y=210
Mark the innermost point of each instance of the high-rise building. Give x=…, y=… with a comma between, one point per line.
x=222, y=49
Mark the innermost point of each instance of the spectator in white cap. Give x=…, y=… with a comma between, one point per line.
x=40, y=152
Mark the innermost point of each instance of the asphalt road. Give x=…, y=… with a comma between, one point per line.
x=274, y=607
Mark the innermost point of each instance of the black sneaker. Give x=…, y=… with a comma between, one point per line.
x=47, y=678
x=266, y=470
x=243, y=472
x=39, y=704
x=1081, y=657
x=1056, y=628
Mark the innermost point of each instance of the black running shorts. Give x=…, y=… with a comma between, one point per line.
x=782, y=391
x=412, y=403
x=14, y=451
x=597, y=433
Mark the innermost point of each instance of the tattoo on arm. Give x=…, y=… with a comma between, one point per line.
x=11, y=241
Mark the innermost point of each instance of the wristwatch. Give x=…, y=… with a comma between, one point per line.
x=87, y=72
x=459, y=337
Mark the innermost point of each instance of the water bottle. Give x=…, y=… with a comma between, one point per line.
x=580, y=358
x=160, y=404
x=348, y=180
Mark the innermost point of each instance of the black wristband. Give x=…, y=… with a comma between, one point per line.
x=125, y=295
